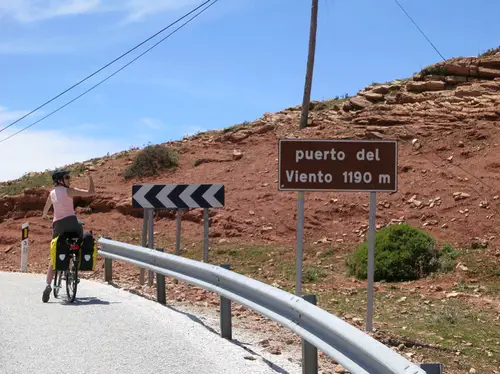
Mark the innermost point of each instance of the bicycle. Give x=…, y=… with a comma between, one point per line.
x=70, y=275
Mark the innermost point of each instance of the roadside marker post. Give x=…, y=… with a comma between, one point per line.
x=318, y=165
x=25, y=229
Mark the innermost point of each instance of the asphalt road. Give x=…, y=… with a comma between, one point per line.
x=108, y=331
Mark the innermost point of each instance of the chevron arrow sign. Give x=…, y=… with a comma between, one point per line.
x=177, y=196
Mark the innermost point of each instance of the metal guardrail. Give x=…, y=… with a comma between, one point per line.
x=347, y=345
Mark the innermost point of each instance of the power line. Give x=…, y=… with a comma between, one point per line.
x=419, y=29
x=113, y=74
x=105, y=66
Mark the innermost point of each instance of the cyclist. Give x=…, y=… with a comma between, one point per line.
x=61, y=197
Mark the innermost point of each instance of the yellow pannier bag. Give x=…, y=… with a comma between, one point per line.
x=59, y=254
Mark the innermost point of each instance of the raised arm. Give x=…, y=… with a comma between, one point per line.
x=73, y=192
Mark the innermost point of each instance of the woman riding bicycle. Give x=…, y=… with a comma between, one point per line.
x=61, y=197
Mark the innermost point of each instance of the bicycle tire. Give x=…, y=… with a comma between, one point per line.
x=72, y=279
x=57, y=283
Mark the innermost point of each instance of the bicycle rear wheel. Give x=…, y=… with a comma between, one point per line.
x=57, y=283
x=72, y=278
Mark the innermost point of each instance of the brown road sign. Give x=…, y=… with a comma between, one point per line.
x=338, y=165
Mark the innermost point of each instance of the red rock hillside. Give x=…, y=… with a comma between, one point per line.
x=445, y=120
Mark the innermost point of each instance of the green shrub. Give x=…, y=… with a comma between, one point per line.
x=446, y=264
x=446, y=258
x=448, y=251
x=313, y=274
x=402, y=253
x=151, y=161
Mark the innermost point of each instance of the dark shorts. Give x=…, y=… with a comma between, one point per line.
x=67, y=224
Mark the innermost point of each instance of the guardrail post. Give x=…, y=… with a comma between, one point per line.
x=309, y=351
x=433, y=368
x=226, y=329
x=160, y=286
x=108, y=270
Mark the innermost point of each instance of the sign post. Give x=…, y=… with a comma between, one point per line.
x=300, y=243
x=151, y=239
x=25, y=229
x=338, y=165
x=178, y=233
x=144, y=243
x=371, y=260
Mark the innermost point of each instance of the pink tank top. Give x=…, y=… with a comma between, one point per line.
x=63, y=204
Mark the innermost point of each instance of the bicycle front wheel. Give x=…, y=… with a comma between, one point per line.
x=72, y=279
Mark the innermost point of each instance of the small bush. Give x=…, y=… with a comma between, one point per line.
x=448, y=251
x=446, y=264
x=446, y=258
x=236, y=127
x=313, y=274
x=490, y=52
x=402, y=253
x=151, y=161
x=438, y=69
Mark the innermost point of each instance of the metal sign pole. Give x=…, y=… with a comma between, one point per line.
x=144, y=241
x=178, y=233
x=371, y=260
x=150, y=240
x=24, y=247
x=205, y=236
x=300, y=243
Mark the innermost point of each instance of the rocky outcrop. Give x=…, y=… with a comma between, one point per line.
x=466, y=89
x=242, y=132
x=31, y=199
x=426, y=86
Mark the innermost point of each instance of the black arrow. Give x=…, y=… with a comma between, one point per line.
x=135, y=189
x=174, y=196
x=151, y=196
x=219, y=195
x=197, y=195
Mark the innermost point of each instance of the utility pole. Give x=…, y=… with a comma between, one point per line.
x=310, y=64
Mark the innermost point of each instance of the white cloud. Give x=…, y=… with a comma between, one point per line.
x=36, y=45
x=151, y=123
x=37, y=10
x=139, y=9
x=40, y=150
x=7, y=116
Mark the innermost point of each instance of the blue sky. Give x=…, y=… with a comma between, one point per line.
x=238, y=60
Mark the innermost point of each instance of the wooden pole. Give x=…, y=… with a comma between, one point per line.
x=310, y=64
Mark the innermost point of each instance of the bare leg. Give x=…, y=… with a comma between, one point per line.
x=48, y=288
x=50, y=273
